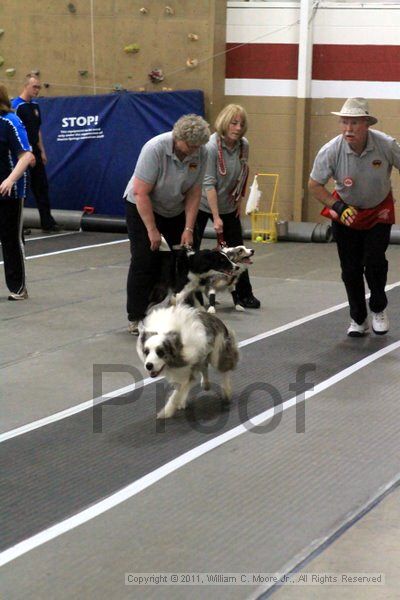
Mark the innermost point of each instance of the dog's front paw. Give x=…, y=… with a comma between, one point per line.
x=239, y=308
x=211, y=310
x=166, y=413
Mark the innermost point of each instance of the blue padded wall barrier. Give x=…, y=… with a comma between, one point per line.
x=93, y=142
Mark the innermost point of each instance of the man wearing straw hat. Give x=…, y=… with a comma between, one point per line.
x=360, y=161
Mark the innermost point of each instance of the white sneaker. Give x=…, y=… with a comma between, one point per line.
x=356, y=330
x=380, y=322
x=21, y=296
x=133, y=327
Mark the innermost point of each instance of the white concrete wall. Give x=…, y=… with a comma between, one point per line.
x=373, y=28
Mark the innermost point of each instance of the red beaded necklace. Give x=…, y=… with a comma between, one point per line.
x=221, y=162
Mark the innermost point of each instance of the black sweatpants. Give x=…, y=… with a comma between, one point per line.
x=40, y=189
x=362, y=253
x=11, y=243
x=233, y=236
x=144, y=269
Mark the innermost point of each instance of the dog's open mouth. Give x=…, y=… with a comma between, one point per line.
x=247, y=260
x=155, y=373
x=230, y=272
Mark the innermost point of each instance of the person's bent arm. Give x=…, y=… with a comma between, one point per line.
x=320, y=193
x=338, y=208
x=25, y=160
x=141, y=191
x=212, y=199
x=192, y=202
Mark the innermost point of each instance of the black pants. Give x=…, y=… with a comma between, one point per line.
x=40, y=189
x=145, y=264
x=11, y=243
x=362, y=252
x=233, y=236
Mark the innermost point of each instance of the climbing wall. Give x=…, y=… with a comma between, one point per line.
x=85, y=47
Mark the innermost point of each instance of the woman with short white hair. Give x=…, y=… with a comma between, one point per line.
x=162, y=198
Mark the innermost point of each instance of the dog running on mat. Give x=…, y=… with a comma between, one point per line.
x=241, y=257
x=180, y=342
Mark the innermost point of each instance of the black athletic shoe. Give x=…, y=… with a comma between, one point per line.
x=249, y=302
x=53, y=228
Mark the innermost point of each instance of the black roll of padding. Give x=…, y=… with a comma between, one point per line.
x=295, y=232
x=105, y=223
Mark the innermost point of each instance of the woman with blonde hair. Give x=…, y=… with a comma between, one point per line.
x=224, y=187
x=15, y=158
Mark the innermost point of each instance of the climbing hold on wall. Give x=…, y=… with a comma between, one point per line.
x=46, y=85
x=132, y=48
x=156, y=75
x=169, y=10
x=192, y=63
x=167, y=89
x=117, y=87
x=193, y=37
x=71, y=7
x=83, y=72
x=35, y=72
x=1, y=31
x=144, y=10
x=10, y=72
x=1, y=61
x=142, y=89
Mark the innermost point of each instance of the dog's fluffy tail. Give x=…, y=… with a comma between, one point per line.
x=229, y=356
x=225, y=355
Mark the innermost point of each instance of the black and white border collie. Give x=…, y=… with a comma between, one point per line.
x=180, y=343
x=195, y=268
x=183, y=272
x=241, y=256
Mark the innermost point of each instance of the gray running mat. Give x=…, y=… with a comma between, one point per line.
x=56, y=471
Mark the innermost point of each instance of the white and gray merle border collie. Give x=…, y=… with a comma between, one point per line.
x=241, y=256
x=180, y=342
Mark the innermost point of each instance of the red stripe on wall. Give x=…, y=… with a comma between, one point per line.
x=340, y=62
x=356, y=63
x=262, y=61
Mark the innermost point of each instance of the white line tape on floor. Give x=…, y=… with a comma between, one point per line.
x=77, y=249
x=73, y=249
x=51, y=236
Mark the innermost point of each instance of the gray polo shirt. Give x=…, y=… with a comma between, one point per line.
x=223, y=184
x=367, y=176
x=172, y=178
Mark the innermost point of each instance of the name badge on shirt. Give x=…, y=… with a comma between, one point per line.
x=348, y=182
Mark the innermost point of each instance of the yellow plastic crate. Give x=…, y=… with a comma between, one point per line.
x=263, y=224
x=263, y=227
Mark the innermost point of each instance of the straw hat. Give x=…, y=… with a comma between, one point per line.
x=356, y=107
